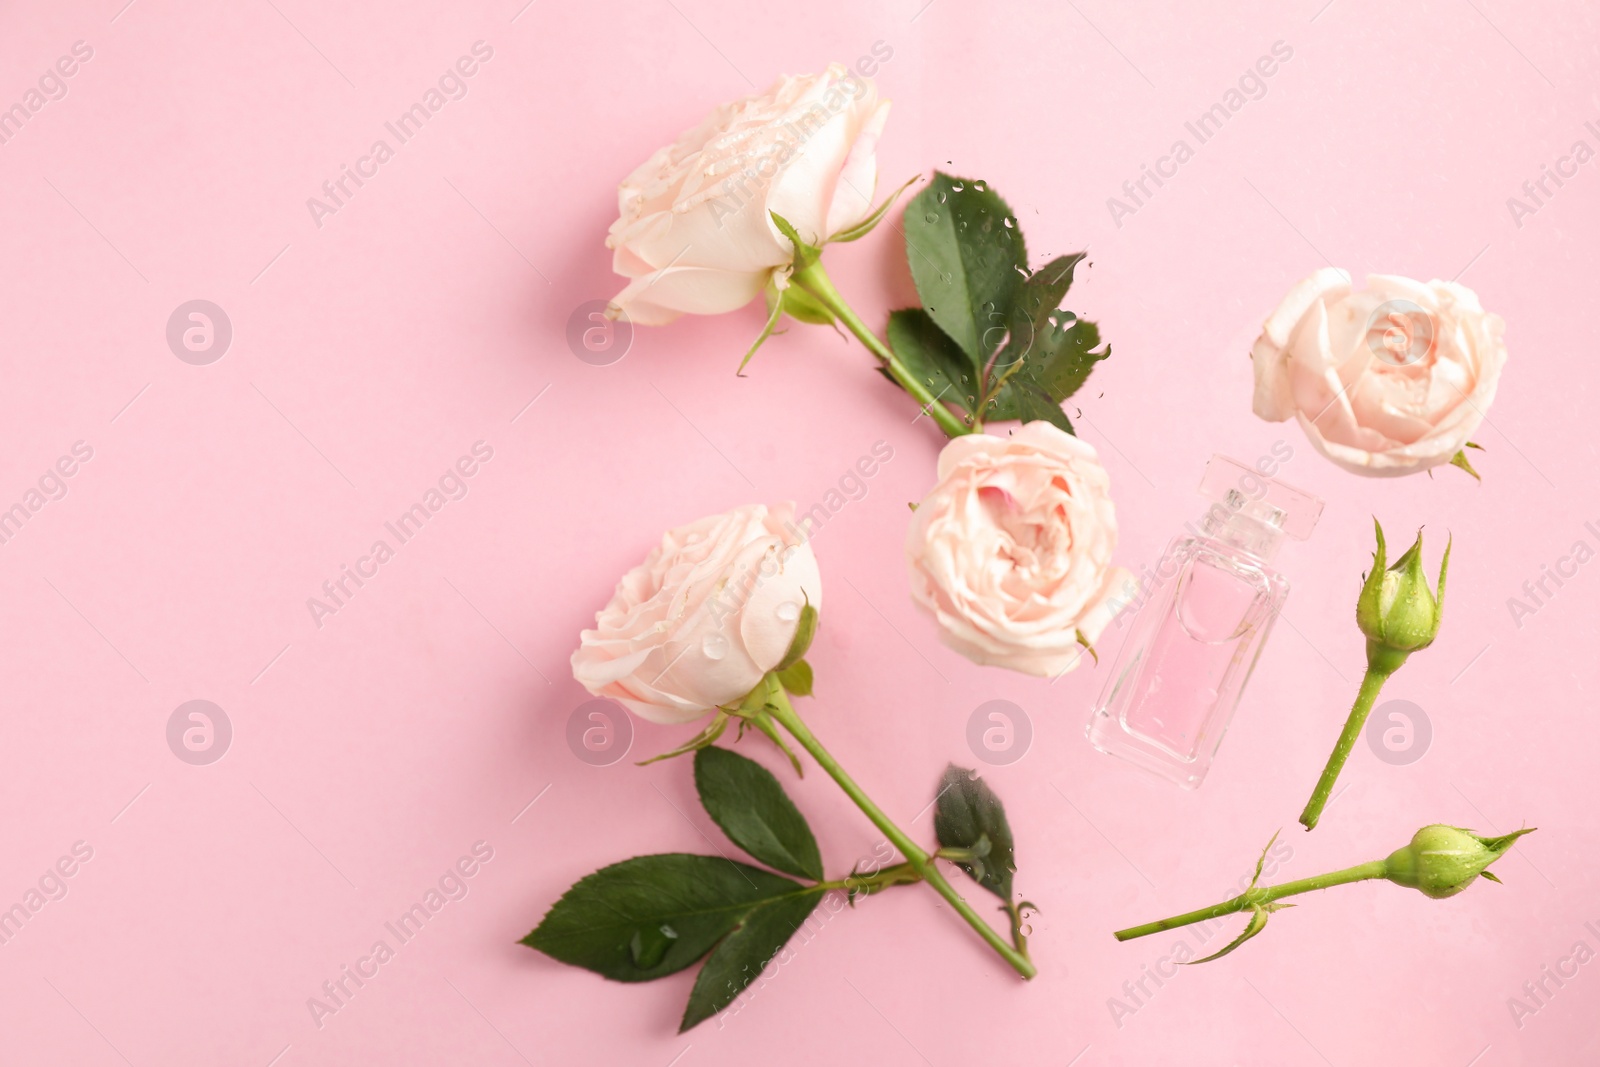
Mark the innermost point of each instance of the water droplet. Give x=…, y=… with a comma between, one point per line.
x=957, y=186
x=939, y=196
x=715, y=646
x=649, y=945
x=932, y=216
x=965, y=379
x=788, y=611
x=980, y=185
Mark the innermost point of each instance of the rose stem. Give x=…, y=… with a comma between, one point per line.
x=1371, y=682
x=899, y=874
x=920, y=861
x=1264, y=895
x=815, y=281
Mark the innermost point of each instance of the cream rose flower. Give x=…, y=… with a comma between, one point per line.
x=695, y=234
x=1011, y=552
x=711, y=610
x=1387, y=380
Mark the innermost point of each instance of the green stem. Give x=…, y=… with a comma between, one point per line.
x=1371, y=682
x=815, y=280
x=1264, y=895
x=867, y=884
x=919, y=860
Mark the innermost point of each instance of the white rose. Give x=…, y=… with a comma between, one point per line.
x=1388, y=380
x=695, y=233
x=1011, y=551
x=711, y=610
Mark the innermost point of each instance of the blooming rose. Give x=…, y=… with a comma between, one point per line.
x=1011, y=552
x=711, y=610
x=695, y=234
x=1385, y=381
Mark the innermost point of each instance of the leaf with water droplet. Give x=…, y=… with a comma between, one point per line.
x=962, y=259
x=966, y=815
x=1049, y=353
x=741, y=956
x=929, y=354
x=614, y=921
x=650, y=943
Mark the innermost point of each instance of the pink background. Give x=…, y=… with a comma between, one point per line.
x=368, y=354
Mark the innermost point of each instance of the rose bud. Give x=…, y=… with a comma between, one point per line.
x=1399, y=615
x=1396, y=609
x=1442, y=860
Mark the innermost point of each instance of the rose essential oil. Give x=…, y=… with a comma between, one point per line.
x=1205, y=615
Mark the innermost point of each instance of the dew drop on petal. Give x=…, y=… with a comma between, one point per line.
x=715, y=646
x=788, y=611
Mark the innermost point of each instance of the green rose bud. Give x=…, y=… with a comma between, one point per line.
x=1396, y=610
x=1441, y=860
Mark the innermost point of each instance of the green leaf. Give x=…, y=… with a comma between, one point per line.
x=652, y=916
x=930, y=355
x=744, y=953
x=744, y=798
x=805, y=253
x=868, y=224
x=1053, y=368
x=1024, y=401
x=968, y=259
x=968, y=815
x=1037, y=300
x=797, y=678
x=805, y=630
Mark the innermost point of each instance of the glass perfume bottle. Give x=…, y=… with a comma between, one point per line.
x=1203, y=614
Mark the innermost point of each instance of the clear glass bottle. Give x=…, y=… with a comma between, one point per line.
x=1203, y=614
